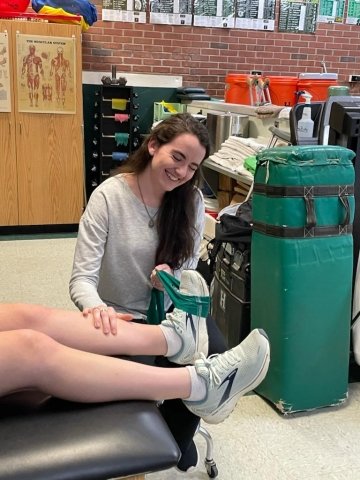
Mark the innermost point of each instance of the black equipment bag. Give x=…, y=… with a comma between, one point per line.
x=229, y=255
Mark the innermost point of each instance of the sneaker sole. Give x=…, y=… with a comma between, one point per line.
x=203, y=337
x=194, y=278
x=192, y=274
x=216, y=416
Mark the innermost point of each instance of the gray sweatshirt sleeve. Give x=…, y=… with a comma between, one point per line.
x=89, y=252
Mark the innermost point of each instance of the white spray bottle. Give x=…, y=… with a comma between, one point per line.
x=305, y=127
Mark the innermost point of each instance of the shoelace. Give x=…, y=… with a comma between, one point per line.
x=176, y=317
x=224, y=361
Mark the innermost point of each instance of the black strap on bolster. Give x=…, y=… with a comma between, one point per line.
x=310, y=212
x=345, y=202
x=304, y=191
x=302, y=232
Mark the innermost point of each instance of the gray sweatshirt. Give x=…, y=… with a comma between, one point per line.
x=115, y=250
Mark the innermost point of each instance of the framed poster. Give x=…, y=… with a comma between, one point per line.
x=124, y=11
x=171, y=12
x=214, y=13
x=46, y=74
x=353, y=12
x=298, y=16
x=5, y=86
x=255, y=15
x=331, y=11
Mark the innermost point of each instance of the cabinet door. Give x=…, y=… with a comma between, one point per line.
x=50, y=145
x=8, y=172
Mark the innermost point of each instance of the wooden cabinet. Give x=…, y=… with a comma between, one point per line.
x=41, y=154
x=8, y=170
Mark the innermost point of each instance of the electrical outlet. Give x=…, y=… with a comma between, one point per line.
x=354, y=78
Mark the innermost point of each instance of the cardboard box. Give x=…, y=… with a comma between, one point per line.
x=237, y=198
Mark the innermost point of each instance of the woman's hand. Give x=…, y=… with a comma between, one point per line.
x=106, y=317
x=155, y=281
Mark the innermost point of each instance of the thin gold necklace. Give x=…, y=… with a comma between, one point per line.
x=151, y=222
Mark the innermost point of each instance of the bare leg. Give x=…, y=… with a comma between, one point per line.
x=72, y=329
x=34, y=361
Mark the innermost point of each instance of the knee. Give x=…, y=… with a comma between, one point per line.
x=30, y=316
x=33, y=345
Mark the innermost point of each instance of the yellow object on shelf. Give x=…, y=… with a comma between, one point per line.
x=164, y=109
x=118, y=103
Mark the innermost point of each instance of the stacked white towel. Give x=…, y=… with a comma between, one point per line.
x=233, y=153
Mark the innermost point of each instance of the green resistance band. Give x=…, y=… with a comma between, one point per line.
x=188, y=303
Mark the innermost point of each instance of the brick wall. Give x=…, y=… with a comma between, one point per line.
x=203, y=56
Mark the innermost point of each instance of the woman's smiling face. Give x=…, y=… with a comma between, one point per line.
x=176, y=162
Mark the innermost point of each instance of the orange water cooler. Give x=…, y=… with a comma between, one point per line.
x=317, y=84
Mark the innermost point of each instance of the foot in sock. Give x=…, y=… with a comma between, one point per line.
x=230, y=375
x=191, y=329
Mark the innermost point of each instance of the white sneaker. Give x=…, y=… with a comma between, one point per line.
x=230, y=375
x=192, y=329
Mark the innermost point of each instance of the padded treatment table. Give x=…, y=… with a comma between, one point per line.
x=71, y=441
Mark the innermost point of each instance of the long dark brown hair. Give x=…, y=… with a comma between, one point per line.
x=176, y=216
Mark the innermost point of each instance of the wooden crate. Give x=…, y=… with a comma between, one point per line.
x=225, y=183
x=224, y=198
